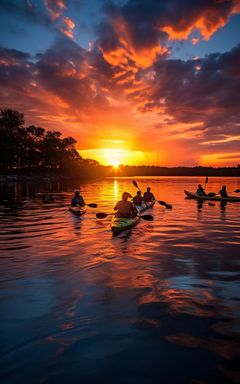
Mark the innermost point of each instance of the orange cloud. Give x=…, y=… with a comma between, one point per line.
x=70, y=25
x=195, y=41
x=141, y=29
x=130, y=92
x=55, y=8
x=126, y=51
x=207, y=24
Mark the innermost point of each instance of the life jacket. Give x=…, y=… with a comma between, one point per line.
x=137, y=200
x=148, y=196
x=77, y=200
x=125, y=209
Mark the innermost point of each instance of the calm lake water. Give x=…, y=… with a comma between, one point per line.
x=157, y=304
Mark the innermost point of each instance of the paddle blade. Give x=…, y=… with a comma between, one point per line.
x=212, y=194
x=161, y=202
x=206, y=180
x=101, y=215
x=92, y=205
x=147, y=217
x=135, y=183
x=168, y=206
x=237, y=190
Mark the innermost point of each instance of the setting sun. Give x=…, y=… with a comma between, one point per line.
x=117, y=156
x=120, y=191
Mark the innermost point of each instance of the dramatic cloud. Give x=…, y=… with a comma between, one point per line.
x=74, y=74
x=139, y=29
x=47, y=13
x=125, y=87
x=15, y=71
x=56, y=10
x=66, y=85
x=202, y=90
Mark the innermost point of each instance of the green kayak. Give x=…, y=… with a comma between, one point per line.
x=120, y=224
x=77, y=211
x=192, y=195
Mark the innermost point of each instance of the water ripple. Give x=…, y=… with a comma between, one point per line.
x=160, y=300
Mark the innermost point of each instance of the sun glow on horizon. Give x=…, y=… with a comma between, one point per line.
x=117, y=156
x=220, y=159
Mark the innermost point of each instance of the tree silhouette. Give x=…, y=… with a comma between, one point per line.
x=32, y=147
x=12, y=135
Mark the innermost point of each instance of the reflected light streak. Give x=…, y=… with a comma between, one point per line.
x=115, y=189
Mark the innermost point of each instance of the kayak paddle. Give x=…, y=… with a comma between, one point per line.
x=136, y=185
x=147, y=217
x=102, y=215
x=91, y=205
x=161, y=202
x=212, y=194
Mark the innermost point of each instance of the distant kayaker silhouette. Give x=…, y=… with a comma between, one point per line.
x=200, y=191
x=77, y=200
x=137, y=200
x=148, y=195
x=223, y=192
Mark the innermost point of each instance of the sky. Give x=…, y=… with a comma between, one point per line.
x=137, y=82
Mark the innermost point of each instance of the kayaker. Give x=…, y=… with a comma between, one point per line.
x=200, y=191
x=137, y=200
x=124, y=207
x=223, y=192
x=148, y=196
x=77, y=200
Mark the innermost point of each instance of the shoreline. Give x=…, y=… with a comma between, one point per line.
x=63, y=178
x=42, y=178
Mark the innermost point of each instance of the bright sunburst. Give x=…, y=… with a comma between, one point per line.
x=115, y=165
x=115, y=156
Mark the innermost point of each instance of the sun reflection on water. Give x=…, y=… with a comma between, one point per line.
x=169, y=285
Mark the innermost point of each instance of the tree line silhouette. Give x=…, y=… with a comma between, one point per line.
x=32, y=148
x=144, y=170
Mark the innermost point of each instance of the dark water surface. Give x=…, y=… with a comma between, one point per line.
x=158, y=304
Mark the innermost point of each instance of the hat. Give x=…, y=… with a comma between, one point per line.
x=126, y=195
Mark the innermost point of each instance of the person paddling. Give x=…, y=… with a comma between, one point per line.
x=223, y=192
x=200, y=191
x=137, y=200
x=148, y=195
x=124, y=207
x=77, y=200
